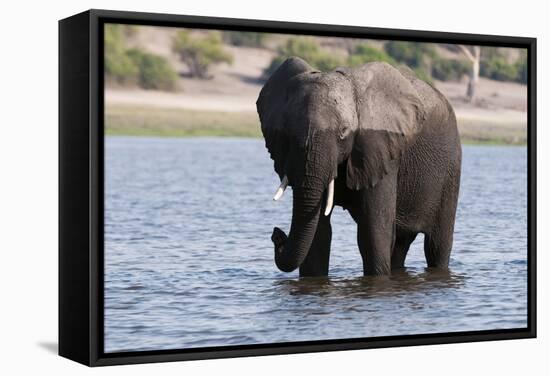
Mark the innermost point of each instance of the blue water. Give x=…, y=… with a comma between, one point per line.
x=189, y=260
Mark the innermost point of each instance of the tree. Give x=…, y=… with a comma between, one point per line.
x=119, y=67
x=364, y=53
x=155, y=72
x=135, y=66
x=473, y=54
x=200, y=53
x=307, y=49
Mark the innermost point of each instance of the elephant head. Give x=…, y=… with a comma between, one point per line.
x=315, y=122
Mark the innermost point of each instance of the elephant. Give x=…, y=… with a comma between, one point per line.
x=373, y=139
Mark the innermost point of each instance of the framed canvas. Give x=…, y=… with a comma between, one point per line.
x=409, y=158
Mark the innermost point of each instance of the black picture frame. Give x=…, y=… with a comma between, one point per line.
x=81, y=186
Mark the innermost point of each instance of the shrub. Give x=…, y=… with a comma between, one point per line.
x=498, y=69
x=118, y=65
x=306, y=49
x=413, y=54
x=200, y=53
x=302, y=47
x=363, y=53
x=154, y=71
x=135, y=66
x=326, y=62
x=245, y=38
x=495, y=65
x=449, y=70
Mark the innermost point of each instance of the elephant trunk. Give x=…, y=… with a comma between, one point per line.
x=291, y=251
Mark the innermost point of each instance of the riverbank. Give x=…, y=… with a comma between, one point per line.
x=134, y=120
x=175, y=122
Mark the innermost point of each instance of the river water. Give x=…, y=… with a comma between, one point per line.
x=189, y=260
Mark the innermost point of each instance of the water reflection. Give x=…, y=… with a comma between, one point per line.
x=400, y=282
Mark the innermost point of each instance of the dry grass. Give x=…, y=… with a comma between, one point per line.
x=153, y=121
x=476, y=131
x=133, y=120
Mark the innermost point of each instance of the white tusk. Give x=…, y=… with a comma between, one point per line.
x=281, y=189
x=330, y=197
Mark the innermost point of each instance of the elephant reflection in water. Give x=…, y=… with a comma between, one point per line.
x=402, y=281
x=375, y=140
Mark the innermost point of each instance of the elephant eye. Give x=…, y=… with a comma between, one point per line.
x=343, y=132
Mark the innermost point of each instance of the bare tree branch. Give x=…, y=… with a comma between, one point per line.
x=474, y=57
x=467, y=52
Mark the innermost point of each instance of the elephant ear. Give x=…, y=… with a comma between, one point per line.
x=390, y=115
x=271, y=106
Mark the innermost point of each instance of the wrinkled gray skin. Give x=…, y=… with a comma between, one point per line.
x=388, y=139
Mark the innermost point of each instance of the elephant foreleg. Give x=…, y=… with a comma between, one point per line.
x=376, y=225
x=317, y=261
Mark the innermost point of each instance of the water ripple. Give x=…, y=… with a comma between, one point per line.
x=189, y=262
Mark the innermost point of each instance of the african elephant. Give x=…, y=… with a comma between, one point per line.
x=375, y=140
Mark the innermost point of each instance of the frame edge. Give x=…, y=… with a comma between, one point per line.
x=74, y=162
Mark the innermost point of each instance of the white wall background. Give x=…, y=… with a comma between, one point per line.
x=28, y=189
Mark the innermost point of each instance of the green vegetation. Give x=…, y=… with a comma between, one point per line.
x=152, y=121
x=245, y=38
x=421, y=58
x=135, y=66
x=498, y=69
x=427, y=64
x=424, y=60
x=200, y=50
x=199, y=53
x=394, y=53
x=449, y=69
x=154, y=71
x=363, y=53
x=413, y=54
x=119, y=67
x=308, y=50
x=495, y=66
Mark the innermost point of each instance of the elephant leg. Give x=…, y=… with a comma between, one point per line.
x=403, y=241
x=317, y=260
x=376, y=224
x=439, y=241
x=437, y=249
